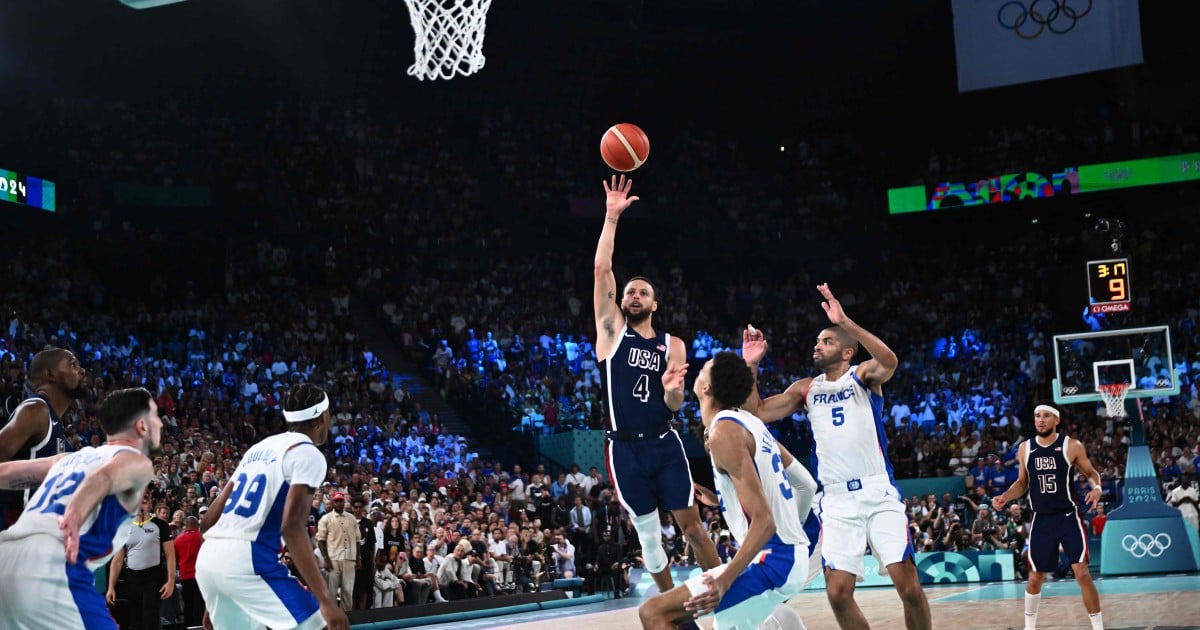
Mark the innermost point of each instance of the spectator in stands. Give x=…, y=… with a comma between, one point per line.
x=1099, y=520
x=366, y=572
x=187, y=547
x=452, y=578
x=388, y=589
x=564, y=557
x=337, y=538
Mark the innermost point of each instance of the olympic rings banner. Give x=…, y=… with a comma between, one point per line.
x=1005, y=42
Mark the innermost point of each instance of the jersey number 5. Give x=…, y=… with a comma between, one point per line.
x=245, y=497
x=839, y=416
x=641, y=389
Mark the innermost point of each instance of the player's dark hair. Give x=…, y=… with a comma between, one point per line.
x=44, y=361
x=653, y=287
x=122, y=408
x=845, y=339
x=731, y=379
x=301, y=397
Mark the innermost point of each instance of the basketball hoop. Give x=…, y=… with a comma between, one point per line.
x=449, y=37
x=1114, y=398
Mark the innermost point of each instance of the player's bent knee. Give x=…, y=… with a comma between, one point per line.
x=648, y=612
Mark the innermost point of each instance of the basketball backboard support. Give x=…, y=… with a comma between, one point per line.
x=1138, y=356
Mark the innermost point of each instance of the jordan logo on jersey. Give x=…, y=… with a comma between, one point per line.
x=1044, y=463
x=644, y=359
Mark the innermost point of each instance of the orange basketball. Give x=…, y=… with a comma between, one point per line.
x=624, y=147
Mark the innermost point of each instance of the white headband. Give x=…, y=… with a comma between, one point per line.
x=1047, y=409
x=305, y=415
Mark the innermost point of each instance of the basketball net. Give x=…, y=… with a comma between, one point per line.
x=1114, y=398
x=449, y=37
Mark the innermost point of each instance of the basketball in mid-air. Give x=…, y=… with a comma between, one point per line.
x=624, y=147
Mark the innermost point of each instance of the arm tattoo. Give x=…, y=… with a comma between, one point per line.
x=25, y=482
x=611, y=295
x=611, y=220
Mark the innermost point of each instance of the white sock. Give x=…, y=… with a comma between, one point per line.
x=1097, y=620
x=1032, y=603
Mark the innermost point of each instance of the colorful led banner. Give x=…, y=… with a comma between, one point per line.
x=26, y=190
x=1071, y=180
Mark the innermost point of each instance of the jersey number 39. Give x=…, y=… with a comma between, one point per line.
x=246, y=496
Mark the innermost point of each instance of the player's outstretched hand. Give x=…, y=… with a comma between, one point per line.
x=706, y=602
x=617, y=198
x=673, y=376
x=754, y=345
x=706, y=496
x=833, y=308
x=68, y=524
x=1093, y=497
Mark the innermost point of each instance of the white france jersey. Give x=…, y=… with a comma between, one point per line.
x=847, y=425
x=254, y=511
x=106, y=527
x=775, y=486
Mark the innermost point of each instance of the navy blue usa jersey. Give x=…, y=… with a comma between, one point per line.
x=631, y=383
x=54, y=442
x=1049, y=477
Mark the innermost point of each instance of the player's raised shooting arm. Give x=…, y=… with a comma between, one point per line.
x=780, y=405
x=608, y=313
x=21, y=429
x=732, y=451
x=21, y=475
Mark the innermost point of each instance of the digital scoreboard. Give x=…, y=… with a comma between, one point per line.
x=1108, y=285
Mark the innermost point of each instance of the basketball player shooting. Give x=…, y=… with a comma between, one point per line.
x=861, y=505
x=642, y=377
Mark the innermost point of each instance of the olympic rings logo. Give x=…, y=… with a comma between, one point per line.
x=1146, y=545
x=1029, y=22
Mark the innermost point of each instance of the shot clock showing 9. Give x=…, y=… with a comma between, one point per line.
x=26, y=190
x=1108, y=285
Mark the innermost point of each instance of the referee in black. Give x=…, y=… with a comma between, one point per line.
x=149, y=555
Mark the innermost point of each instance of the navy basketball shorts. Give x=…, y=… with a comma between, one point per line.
x=1047, y=532
x=650, y=474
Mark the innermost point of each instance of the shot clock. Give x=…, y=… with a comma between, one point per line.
x=1108, y=285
